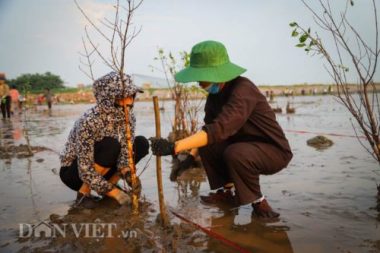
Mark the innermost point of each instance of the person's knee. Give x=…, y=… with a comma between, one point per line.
x=232, y=155
x=106, y=152
x=287, y=158
x=141, y=147
x=69, y=178
x=62, y=174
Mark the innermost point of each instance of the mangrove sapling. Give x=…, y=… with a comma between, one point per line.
x=116, y=35
x=352, y=54
x=350, y=48
x=187, y=99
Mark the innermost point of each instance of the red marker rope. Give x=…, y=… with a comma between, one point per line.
x=331, y=134
x=213, y=234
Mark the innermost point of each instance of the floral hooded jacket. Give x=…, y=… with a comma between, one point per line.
x=103, y=120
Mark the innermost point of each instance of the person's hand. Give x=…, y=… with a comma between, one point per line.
x=162, y=147
x=135, y=188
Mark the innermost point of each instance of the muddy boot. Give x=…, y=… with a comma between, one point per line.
x=263, y=210
x=220, y=197
x=85, y=201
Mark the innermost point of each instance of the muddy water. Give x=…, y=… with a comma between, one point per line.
x=327, y=198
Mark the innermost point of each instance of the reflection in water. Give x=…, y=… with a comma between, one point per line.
x=6, y=142
x=255, y=236
x=188, y=185
x=32, y=195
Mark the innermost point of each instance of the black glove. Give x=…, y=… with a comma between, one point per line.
x=162, y=147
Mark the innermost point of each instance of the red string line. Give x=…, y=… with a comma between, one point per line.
x=213, y=234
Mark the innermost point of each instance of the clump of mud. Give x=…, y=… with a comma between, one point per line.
x=320, y=142
x=20, y=151
x=110, y=228
x=178, y=168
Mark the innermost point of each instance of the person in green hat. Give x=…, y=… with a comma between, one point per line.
x=240, y=139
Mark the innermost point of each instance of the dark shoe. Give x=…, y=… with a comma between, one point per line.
x=220, y=197
x=84, y=201
x=263, y=210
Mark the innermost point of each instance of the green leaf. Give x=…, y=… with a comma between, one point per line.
x=304, y=37
x=352, y=2
x=293, y=24
x=301, y=45
x=295, y=33
x=307, y=49
x=308, y=31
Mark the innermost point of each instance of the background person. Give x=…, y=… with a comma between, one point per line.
x=15, y=103
x=5, y=99
x=48, y=95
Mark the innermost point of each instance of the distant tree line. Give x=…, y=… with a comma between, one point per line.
x=36, y=82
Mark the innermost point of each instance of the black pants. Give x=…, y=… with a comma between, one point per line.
x=106, y=153
x=6, y=107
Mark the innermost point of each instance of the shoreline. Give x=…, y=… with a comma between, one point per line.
x=85, y=95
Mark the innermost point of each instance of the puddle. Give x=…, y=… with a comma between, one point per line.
x=327, y=199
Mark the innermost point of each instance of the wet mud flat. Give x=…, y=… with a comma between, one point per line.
x=326, y=197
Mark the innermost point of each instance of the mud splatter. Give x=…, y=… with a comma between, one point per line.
x=20, y=151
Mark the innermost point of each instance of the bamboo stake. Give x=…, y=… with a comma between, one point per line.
x=131, y=162
x=164, y=217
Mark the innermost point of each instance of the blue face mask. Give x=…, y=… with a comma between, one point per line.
x=213, y=88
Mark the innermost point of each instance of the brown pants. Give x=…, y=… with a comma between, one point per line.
x=242, y=163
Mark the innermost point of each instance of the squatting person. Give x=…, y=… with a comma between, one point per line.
x=241, y=138
x=96, y=153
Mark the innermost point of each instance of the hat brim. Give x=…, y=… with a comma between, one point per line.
x=219, y=74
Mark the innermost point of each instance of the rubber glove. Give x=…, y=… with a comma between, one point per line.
x=162, y=147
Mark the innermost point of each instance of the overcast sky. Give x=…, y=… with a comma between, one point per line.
x=45, y=35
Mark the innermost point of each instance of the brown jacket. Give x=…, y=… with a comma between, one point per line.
x=240, y=113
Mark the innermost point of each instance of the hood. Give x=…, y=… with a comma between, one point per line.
x=108, y=88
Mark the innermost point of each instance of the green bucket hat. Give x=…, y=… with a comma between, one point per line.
x=209, y=62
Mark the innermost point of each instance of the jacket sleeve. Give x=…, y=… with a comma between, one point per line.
x=234, y=114
x=85, y=153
